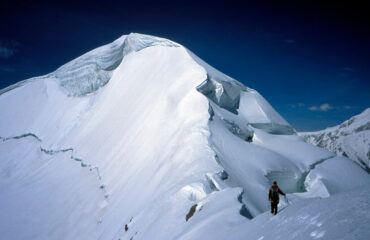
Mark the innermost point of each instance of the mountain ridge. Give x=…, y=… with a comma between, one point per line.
x=132, y=152
x=349, y=139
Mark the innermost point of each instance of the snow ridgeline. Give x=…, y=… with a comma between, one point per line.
x=184, y=150
x=94, y=69
x=350, y=139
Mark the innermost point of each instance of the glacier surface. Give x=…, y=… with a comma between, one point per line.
x=141, y=139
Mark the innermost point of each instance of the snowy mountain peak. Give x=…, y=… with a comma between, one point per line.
x=350, y=139
x=358, y=123
x=94, y=69
x=141, y=139
x=136, y=42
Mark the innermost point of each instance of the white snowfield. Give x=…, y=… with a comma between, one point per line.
x=141, y=139
x=350, y=139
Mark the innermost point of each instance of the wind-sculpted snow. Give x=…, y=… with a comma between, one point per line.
x=308, y=219
x=260, y=114
x=137, y=42
x=185, y=151
x=246, y=105
x=13, y=86
x=290, y=181
x=89, y=72
x=235, y=125
x=225, y=94
x=274, y=128
x=94, y=69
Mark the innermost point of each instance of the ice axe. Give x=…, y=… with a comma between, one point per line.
x=286, y=200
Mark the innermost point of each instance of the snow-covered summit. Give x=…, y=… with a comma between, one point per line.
x=350, y=139
x=93, y=70
x=141, y=139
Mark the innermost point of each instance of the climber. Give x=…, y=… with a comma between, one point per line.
x=274, y=197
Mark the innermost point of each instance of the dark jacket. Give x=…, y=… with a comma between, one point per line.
x=274, y=193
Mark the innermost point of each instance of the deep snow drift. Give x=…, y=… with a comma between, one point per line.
x=350, y=139
x=141, y=139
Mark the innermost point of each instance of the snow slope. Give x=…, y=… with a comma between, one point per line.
x=345, y=216
x=141, y=139
x=350, y=139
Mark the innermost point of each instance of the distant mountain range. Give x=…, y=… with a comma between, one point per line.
x=350, y=139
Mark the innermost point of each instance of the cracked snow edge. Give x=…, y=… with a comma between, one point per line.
x=53, y=152
x=83, y=164
x=4, y=139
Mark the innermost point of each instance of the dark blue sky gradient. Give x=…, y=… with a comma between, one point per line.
x=297, y=55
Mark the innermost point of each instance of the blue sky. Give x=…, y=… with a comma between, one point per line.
x=309, y=59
